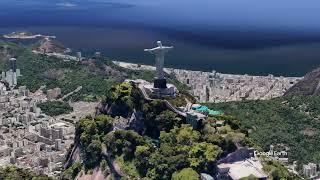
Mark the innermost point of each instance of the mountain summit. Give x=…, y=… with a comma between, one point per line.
x=309, y=85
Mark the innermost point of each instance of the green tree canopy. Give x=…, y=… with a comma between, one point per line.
x=186, y=174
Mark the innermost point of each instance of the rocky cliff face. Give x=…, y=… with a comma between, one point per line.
x=49, y=46
x=134, y=120
x=309, y=85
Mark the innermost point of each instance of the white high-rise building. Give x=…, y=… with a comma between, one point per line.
x=310, y=170
x=14, y=79
x=9, y=78
x=79, y=56
x=13, y=64
x=18, y=72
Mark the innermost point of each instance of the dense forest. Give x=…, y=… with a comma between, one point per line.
x=55, y=108
x=292, y=121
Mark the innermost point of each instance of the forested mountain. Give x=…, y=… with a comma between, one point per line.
x=292, y=121
x=168, y=148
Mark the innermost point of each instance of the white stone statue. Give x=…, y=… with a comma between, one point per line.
x=159, y=52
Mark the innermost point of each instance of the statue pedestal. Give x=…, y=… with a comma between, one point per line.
x=160, y=83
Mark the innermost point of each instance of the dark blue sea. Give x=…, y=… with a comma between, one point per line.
x=246, y=37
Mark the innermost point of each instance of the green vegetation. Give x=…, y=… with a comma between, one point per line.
x=125, y=146
x=123, y=142
x=277, y=170
x=72, y=171
x=291, y=121
x=90, y=133
x=186, y=174
x=15, y=173
x=123, y=98
x=251, y=177
x=175, y=145
x=127, y=166
x=104, y=167
x=55, y=108
x=5, y=49
x=180, y=148
x=158, y=118
x=39, y=70
x=181, y=99
x=169, y=148
x=144, y=74
x=178, y=145
x=183, y=88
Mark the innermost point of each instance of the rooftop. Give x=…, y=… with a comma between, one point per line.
x=205, y=109
x=240, y=169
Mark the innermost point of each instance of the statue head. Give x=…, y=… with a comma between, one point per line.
x=159, y=43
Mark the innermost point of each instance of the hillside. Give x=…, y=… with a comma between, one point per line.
x=309, y=85
x=167, y=147
x=50, y=45
x=95, y=76
x=157, y=143
x=6, y=49
x=293, y=122
x=15, y=173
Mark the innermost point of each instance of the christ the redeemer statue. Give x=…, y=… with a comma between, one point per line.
x=159, y=52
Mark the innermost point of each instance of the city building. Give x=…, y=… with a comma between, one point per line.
x=13, y=64
x=12, y=74
x=241, y=169
x=310, y=170
x=29, y=138
x=218, y=87
x=79, y=56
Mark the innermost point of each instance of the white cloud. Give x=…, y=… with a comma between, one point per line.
x=66, y=4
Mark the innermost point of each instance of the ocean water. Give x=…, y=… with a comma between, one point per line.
x=227, y=36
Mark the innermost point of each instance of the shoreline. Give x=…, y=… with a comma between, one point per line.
x=139, y=66
x=25, y=35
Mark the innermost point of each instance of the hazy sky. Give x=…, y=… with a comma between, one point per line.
x=273, y=14
x=278, y=14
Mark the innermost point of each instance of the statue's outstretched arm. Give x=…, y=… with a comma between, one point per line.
x=167, y=48
x=152, y=51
